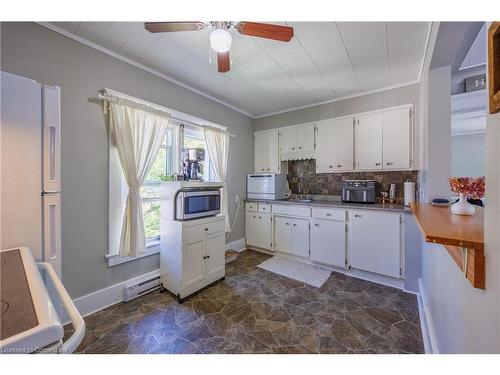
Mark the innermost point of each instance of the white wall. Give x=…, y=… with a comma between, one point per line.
x=33, y=51
x=463, y=319
x=468, y=154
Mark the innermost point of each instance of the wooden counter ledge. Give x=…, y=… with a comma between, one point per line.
x=462, y=236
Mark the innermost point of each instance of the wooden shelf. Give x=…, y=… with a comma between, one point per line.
x=462, y=236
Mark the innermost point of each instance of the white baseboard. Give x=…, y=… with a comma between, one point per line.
x=106, y=297
x=238, y=245
x=428, y=333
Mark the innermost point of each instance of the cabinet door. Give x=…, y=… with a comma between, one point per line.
x=263, y=230
x=368, y=141
x=251, y=230
x=288, y=140
x=374, y=242
x=282, y=234
x=396, y=138
x=266, y=152
x=305, y=137
x=215, y=261
x=343, y=144
x=324, y=147
x=300, y=237
x=193, y=262
x=328, y=242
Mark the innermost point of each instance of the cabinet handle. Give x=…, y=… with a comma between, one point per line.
x=293, y=148
x=300, y=147
x=390, y=163
x=262, y=169
x=267, y=168
x=294, y=225
x=208, y=256
x=339, y=165
x=328, y=214
x=287, y=223
x=316, y=225
x=378, y=164
x=357, y=215
x=260, y=217
x=206, y=229
x=330, y=166
x=204, y=257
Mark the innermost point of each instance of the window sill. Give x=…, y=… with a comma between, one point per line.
x=152, y=248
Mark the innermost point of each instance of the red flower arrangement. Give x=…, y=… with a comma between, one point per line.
x=469, y=186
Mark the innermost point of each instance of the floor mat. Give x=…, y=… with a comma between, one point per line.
x=306, y=273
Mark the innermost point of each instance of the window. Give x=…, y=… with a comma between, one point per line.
x=167, y=162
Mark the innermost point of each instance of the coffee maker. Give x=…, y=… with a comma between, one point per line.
x=192, y=160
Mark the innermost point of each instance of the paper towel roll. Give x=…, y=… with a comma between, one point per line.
x=409, y=188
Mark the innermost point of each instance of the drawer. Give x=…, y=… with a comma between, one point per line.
x=264, y=207
x=329, y=213
x=198, y=232
x=292, y=210
x=251, y=206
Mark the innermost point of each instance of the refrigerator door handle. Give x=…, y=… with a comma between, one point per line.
x=51, y=139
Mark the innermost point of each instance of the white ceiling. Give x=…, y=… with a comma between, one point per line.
x=324, y=61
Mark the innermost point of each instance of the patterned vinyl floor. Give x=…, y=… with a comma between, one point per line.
x=256, y=311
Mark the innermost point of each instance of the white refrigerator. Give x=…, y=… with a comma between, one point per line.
x=31, y=168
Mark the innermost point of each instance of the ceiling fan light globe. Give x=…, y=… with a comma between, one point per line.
x=220, y=40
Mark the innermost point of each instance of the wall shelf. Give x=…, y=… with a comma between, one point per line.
x=462, y=236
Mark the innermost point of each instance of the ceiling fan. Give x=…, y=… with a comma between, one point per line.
x=220, y=38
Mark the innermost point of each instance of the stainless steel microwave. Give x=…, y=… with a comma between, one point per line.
x=196, y=203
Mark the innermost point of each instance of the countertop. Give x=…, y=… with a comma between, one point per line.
x=439, y=225
x=338, y=204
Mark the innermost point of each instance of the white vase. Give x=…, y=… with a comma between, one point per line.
x=462, y=207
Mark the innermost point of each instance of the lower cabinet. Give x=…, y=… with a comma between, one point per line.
x=258, y=230
x=192, y=254
x=328, y=242
x=375, y=242
x=291, y=235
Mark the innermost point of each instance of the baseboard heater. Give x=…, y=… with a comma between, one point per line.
x=133, y=291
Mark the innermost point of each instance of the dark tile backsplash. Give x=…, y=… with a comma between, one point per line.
x=303, y=179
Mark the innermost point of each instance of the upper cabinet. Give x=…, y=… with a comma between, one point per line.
x=297, y=142
x=383, y=140
x=368, y=141
x=335, y=145
x=266, y=154
x=396, y=139
x=378, y=140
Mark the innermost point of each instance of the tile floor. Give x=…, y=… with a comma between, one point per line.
x=256, y=311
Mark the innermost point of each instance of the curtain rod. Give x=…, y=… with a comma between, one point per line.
x=105, y=95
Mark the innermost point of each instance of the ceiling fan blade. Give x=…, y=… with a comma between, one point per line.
x=223, y=64
x=266, y=30
x=162, y=27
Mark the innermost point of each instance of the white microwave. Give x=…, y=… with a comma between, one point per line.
x=266, y=186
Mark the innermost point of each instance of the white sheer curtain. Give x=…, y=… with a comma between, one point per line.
x=137, y=132
x=218, y=150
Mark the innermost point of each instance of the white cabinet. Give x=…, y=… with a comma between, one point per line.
x=291, y=236
x=375, y=242
x=288, y=140
x=328, y=242
x=335, y=145
x=383, y=140
x=305, y=137
x=297, y=142
x=300, y=237
x=397, y=139
x=282, y=234
x=191, y=254
x=266, y=152
x=258, y=228
x=368, y=141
